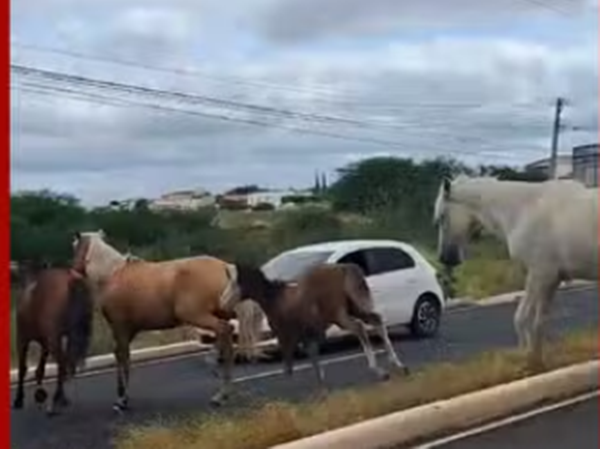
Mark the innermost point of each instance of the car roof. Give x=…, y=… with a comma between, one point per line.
x=350, y=245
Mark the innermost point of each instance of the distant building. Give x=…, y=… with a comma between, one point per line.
x=274, y=197
x=183, y=200
x=564, y=166
x=581, y=165
x=585, y=164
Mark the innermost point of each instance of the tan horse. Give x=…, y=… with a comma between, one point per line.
x=141, y=296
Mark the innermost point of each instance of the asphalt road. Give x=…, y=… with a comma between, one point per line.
x=162, y=391
x=574, y=426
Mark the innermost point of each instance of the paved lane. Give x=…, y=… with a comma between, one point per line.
x=572, y=426
x=178, y=387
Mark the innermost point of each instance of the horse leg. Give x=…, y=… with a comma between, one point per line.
x=312, y=349
x=40, y=393
x=59, y=399
x=224, y=346
x=545, y=292
x=375, y=320
x=523, y=313
x=357, y=328
x=123, y=357
x=287, y=343
x=22, y=350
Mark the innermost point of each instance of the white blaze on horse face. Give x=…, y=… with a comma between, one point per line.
x=101, y=259
x=454, y=222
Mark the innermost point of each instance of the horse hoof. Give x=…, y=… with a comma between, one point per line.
x=51, y=410
x=118, y=409
x=40, y=396
x=218, y=400
x=403, y=370
x=121, y=405
x=18, y=404
x=382, y=375
x=64, y=402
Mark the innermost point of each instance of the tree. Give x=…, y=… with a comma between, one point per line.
x=389, y=182
x=507, y=173
x=397, y=192
x=244, y=190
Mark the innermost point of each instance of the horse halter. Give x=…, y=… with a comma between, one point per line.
x=78, y=267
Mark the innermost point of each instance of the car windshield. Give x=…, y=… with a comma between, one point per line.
x=290, y=266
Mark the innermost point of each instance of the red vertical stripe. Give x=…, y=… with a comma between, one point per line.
x=5, y=223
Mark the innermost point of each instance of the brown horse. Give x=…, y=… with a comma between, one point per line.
x=301, y=313
x=141, y=296
x=54, y=304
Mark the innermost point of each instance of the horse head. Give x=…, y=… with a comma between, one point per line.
x=455, y=222
x=93, y=257
x=254, y=284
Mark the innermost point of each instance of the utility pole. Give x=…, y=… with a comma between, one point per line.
x=555, y=133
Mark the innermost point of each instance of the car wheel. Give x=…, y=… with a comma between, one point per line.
x=426, y=317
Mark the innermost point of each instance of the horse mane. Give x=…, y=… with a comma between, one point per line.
x=255, y=285
x=101, y=247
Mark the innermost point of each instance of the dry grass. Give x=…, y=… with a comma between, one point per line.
x=280, y=422
x=483, y=277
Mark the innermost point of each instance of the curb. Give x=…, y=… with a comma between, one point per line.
x=459, y=413
x=104, y=361
x=513, y=296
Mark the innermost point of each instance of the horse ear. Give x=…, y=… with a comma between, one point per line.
x=447, y=184
x=77, y=235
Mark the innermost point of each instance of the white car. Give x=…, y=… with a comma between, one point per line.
x=404, y=285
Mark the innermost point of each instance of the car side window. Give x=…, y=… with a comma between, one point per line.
x=383, y=260
x=357, y=258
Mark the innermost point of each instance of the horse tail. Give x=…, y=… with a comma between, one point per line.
x=358, y=292
x=250, y=318
x=231, y=293
x=78, y=323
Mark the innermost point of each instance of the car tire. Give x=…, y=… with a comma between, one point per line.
x=426, y=318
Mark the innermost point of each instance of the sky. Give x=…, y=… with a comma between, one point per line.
x=354, y=79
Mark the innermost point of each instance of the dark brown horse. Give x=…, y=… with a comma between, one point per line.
x=54, y=304
x=301, y=313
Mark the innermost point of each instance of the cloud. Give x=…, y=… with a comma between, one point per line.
x=289, y=21
x=480, y=97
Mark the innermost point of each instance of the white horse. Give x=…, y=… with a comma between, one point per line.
x=551, y=228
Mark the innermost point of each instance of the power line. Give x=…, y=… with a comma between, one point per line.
x=181, y=97
x=407, y=128
x=252, y=83
x=100, y=99
x=549, y=6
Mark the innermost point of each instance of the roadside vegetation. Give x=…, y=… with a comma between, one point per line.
x=280, y=422
x=381, y=197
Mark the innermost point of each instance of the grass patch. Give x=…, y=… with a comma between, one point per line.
x=482, y=277
x=281, y=422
